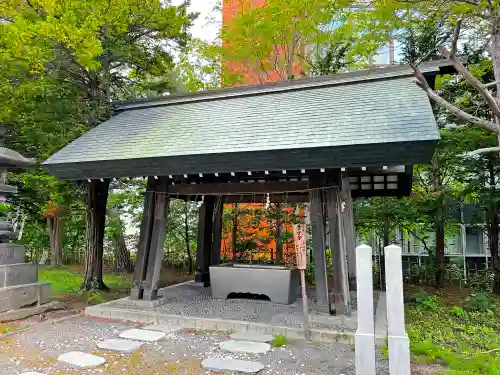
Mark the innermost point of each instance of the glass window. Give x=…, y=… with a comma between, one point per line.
x=474, y=240
x=453, y=244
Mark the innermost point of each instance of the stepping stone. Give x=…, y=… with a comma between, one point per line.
x=248, y=336
x=142, y=335
x=81, y=359
x=119, y=345
x=163, y=328
x=245, y=347
x=231, y=365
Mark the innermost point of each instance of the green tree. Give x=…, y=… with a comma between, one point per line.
x=99, y=51
x=275, y=42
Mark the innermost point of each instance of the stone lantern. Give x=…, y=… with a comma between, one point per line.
x=19, y=286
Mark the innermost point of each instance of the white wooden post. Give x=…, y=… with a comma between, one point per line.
x=365, y=335
x=399, y=344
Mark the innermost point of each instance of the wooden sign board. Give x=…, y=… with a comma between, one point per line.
x=300, y=239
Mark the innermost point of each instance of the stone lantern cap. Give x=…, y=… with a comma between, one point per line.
x=10, y=159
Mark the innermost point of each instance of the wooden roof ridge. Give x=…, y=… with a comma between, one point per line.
x=429, y=68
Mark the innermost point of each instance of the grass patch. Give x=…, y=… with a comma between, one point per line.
x=66, y=284
x=279, y=341
x=65, y=280
x=467, y=342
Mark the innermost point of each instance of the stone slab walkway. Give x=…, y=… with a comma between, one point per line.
x=180, y=352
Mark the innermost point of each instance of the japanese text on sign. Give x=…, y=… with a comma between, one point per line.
x=300, y=234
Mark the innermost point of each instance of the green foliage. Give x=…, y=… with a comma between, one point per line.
x=311, y=268
x=426, y=301
x=279, y=341
x=482, y=280
x=95, y=298
x=62, y=280
x=481, y=302
x=273, y=41
x=384, y=350
x=61, y=65
x=459, y=312
x=5, y=330
x=460, y=343
x=66, y=281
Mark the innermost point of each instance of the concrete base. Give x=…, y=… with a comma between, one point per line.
x=322, y=318
x=11, y=253
x=16, y=297
x=365, y=354
x=280, y=284
x=399, y=355
x=222, y=325
x=18, y=274
x=26, y=312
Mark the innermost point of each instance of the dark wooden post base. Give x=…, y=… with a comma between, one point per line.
x=204, y=248
x=150, y=250
x=318, y=238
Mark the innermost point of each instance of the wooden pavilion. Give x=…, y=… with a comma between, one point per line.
x=324, y=141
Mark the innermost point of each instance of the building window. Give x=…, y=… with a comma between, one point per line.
x=473, y=241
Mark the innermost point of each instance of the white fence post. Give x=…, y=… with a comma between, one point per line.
x=365, y=335
x=399, y=344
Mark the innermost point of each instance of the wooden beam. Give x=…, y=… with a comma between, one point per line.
x=338, y=249
x=141, y=262
x=238, y=188
x=318, y=240
x=161, y=202
x=216, y=245
x=205, y=229
x=274, y=198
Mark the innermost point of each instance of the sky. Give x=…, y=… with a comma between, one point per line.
x=204, y=28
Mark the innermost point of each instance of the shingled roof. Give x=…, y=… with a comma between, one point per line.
x=378, y=117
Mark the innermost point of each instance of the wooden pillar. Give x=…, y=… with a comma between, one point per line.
x=349, y=230
x=318, y=239
x=216, y=245
x=341, y=291
x=150, y=248
x=204, y=246
x=161, y=202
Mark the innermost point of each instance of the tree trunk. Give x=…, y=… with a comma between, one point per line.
x=95, y=209
x=494, y=207
x=492, y=224
x=440, y=241
x=123, y=263
x=50, y=230
x=495, y=58
x=440, y=220
x=58, y=240
x=55, y=233
x=186, y=238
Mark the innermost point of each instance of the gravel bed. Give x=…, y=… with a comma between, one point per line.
x=190, y=299
x=179, y=353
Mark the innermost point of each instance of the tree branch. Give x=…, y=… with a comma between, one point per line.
x=483, y=151
x=480, y=87
x=492, y=84
x=454, y=40
x=422, y=82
